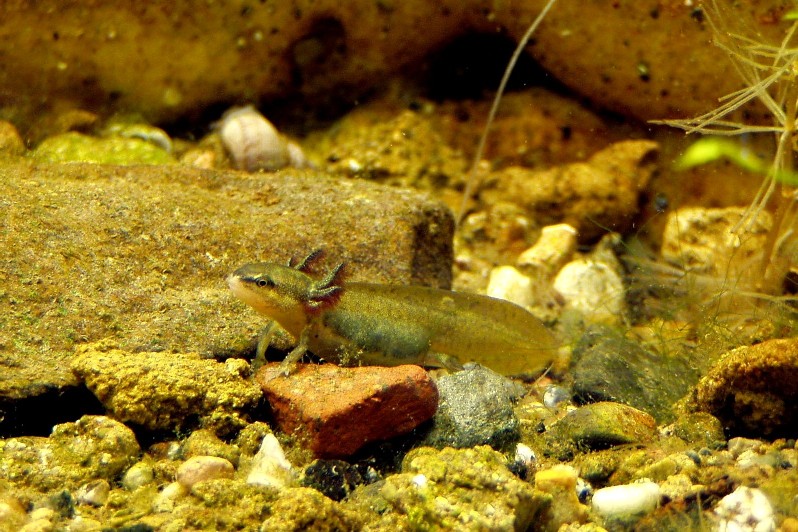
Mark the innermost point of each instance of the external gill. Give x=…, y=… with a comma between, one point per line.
x=325, y=292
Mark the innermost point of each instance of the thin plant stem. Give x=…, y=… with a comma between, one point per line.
x=471, y=179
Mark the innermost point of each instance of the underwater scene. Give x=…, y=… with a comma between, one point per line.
x=371, y=265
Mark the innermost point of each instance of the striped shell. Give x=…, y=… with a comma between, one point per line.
x=253, y=143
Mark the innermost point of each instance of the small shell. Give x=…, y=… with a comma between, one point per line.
x=145, y=132
x=252, y=141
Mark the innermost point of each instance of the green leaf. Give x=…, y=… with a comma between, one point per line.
x=711, y=149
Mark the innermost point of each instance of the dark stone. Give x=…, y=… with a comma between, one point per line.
x=475, y=408
x=335, y=478
x=608, y=367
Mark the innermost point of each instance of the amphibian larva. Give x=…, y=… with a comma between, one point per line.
x=374, y=324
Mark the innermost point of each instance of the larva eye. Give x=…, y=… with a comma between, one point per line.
x=264, y=282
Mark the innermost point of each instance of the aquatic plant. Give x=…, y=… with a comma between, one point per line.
x=769, y=73
x=471, y=178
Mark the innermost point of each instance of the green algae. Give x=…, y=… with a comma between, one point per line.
x=120, y=150
x=454, y=489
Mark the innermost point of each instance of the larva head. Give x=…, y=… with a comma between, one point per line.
x=276, y=291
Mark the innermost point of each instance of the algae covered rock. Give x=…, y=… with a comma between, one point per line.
x=166, y=390
x=608, y=367
x=94, y=447
x=307, y=509
x=459, y=489
x=752, y=390
x=76, y=147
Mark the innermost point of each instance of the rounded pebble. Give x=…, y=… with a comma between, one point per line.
x=627, y=500
x=524, y=462
x=593, y=289
x=507, y=283
x=138, y=475
x=10, y=141
x=199, y=468
x=165, y=500
x=555, y=395
x=745, y=510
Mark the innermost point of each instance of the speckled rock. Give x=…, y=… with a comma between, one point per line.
x=454, y=489
x=608, y=367
x=745, y=509
x=141, y=254
x=600, y=425
x=220, y=504
x=337, y=410
x=403, y=150
x=752, y=390
x=699, y=427
x=92, y=448
x=591, y=196
x=307, y=509
x=326, y=49
x=204, y=442
x=701, y=240
x=476, y=408
x=166, y=390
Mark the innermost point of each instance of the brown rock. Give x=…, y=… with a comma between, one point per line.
x=338, y=410
x=653, y=60
x=752, y=390
x=591, y=196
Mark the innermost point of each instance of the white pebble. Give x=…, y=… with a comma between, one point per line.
x=270, y=467
x=37, y=525
x=752, y=458
x=593, y=289
x=94, y=493
x=41, y=514
x=507, y=283
x=525, y=458
x=199, y=468
x=555, y=247
x=80, y=523
x=745, y=510
x=627, y=500
x=739, y=445
x=165, y=500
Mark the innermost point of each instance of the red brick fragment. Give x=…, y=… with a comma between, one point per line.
x=337, y=410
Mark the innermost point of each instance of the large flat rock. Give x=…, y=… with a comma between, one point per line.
x=140, y=255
